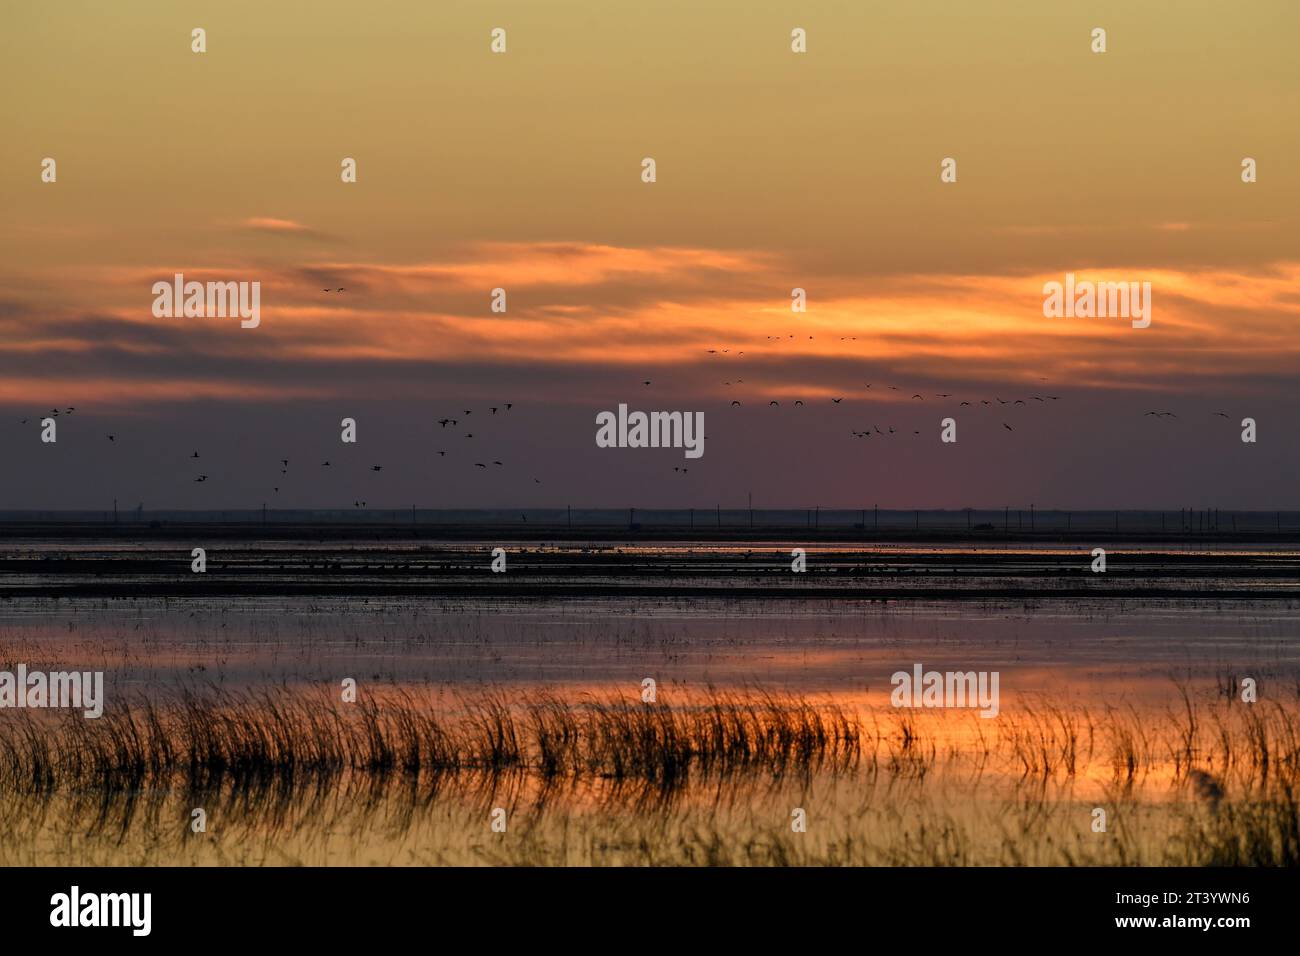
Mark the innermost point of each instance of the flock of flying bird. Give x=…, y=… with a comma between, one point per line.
x=867, y=432
x=201, y=478
x=917, y=396
x=504, y=407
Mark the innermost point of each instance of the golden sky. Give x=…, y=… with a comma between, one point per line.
x=774, y=170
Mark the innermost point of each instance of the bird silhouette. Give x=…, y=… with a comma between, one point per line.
x=325, y=464
x=376, y=467
x=1007, y=427
x=195, y=455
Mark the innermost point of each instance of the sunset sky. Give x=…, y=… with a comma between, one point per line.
x=774, y=170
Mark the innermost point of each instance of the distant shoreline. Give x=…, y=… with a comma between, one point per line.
x=480, y=563
x=863, y=526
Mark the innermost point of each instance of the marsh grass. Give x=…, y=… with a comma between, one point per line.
x=203, y=741
x=292, y=776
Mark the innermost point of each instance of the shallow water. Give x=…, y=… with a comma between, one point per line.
x=1092, y=713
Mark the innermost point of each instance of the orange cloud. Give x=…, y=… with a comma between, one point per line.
x=717, y=316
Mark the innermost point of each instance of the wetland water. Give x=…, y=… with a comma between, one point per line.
x=521, y=691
